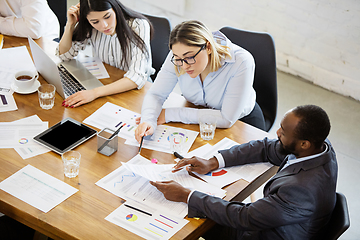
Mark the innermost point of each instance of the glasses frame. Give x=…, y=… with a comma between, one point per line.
x=187, y=58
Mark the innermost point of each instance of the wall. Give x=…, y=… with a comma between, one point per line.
x=318, y=40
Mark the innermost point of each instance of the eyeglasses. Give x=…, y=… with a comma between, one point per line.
x=188, y=60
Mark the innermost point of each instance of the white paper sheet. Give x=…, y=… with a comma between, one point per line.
x=37, y=188
x=156, y=226
x=19, y=134
x=33, y=148
x=224, y=176
x=7, y=102
x=94, y=65
x=129, y=186
x=112, y=116
x=160, y=139
x=13, y=60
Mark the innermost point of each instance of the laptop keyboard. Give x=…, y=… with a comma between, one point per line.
x=70, y=84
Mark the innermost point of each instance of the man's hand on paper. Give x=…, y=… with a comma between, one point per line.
x=199, y=165
x=172, y=190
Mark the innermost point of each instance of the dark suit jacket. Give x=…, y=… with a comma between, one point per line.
x=297, y=203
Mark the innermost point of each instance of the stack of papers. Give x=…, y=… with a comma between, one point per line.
x=19, y=135
x=147, y=204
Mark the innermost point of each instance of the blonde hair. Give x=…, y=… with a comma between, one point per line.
x=195, y=33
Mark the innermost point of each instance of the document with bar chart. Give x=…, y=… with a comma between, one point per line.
x=145, y=221
x=113, y=116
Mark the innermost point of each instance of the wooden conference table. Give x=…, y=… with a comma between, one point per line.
x=82, y=216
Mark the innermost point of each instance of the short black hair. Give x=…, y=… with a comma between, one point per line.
x=314, y=124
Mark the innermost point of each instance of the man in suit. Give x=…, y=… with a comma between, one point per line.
x=298, y=200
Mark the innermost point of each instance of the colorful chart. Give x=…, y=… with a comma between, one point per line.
x=178, y=133
x=217, y=173
x=23, y=141
x=131, y=217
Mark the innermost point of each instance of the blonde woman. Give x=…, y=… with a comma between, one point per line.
x=212, y=72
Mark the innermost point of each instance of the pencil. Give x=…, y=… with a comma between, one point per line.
x=178, y=155
x=142, y=139
x=139, y=210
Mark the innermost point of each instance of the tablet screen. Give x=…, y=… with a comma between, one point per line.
x=65, y=135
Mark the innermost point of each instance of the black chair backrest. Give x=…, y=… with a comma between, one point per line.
x=262, y=47
x=339, y=221
x=160, y=41
x=59, y=7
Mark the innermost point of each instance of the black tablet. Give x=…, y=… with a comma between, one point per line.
x=65, y=135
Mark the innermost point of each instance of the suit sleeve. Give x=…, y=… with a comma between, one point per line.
x=292, y=204
x=265, y=150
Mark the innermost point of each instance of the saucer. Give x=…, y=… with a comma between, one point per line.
x=33, y=88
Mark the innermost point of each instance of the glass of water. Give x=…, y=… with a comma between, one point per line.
x=46, y=96
x=207, y=126
x=71, y=160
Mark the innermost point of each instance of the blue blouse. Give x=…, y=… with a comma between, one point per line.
x=227, y=93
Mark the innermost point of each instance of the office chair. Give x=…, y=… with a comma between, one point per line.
x=339, y=221
x=262, y=47
x=59, y=7
x=159, y=42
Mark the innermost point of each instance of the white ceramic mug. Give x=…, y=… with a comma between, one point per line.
x=25, y=79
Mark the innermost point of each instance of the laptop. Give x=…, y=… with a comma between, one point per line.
x=68, y=77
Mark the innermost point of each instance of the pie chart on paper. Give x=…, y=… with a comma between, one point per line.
x=217, y=173
x=131, y=217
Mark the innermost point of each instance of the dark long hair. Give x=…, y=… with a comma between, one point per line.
x=125, y=33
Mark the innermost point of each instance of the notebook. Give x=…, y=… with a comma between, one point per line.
x=68, y=77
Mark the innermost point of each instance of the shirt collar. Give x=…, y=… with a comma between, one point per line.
x=292, y=158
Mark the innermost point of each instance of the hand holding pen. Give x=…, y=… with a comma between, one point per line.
x=196, y=164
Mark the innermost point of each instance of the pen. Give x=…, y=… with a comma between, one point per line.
x=108, y=140
x=178, y=155
x=139, y=210
x=142, y=139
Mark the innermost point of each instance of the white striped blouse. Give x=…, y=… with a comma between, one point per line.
x=108, y=49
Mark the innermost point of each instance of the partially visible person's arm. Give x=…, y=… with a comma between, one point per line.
x=31, y=23
x=163, y=85
x=66, y=40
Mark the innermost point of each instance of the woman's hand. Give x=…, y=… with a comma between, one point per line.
x=144, y=129
x=79, y=98
x=73, y=14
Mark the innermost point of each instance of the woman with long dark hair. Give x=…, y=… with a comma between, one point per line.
x=118, y=36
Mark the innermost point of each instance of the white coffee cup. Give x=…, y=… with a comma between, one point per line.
x=25, y=79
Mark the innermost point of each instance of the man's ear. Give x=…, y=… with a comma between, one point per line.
x=305, y=144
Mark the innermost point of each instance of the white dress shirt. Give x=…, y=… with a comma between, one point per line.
x=22, y=18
